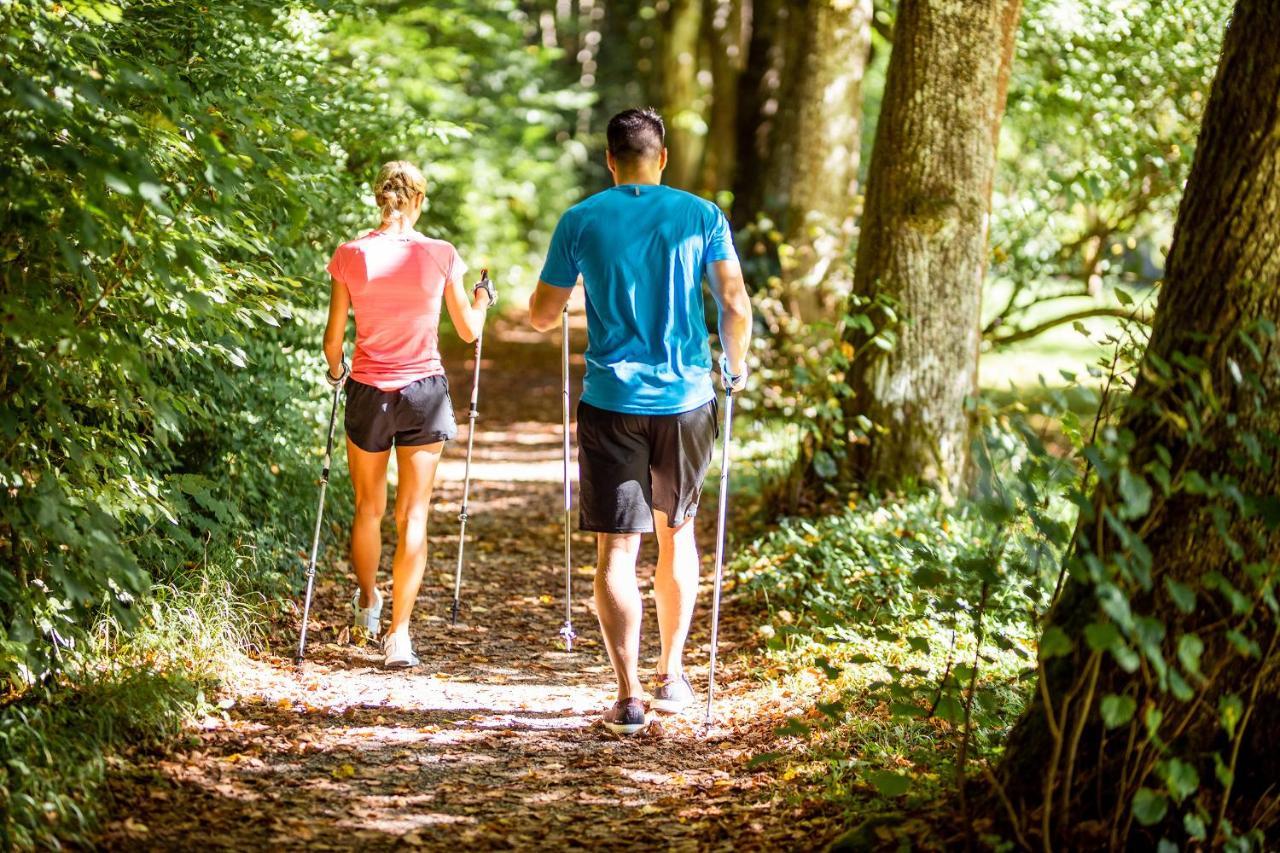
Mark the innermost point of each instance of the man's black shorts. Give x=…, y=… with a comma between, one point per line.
x=419, y=413
x=631, y=465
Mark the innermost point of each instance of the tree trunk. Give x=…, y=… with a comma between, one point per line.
x=1202, y=399
x=923, y=244
x=816, y=156
x=728, y=25
x=682, y=103
x=773, y=45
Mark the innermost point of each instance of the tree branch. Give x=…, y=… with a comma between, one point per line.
x=1026, y=334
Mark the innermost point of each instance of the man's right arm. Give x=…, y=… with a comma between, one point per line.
x=559, y=278
x=730, y=292
x=546, y=304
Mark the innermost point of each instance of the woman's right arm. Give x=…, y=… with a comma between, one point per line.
x=467, y=314
x=336, y=331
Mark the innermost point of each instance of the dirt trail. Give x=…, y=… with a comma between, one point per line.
x=492, y=743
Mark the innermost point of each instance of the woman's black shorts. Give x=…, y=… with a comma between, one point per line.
x=631, y=465
x=419, y=413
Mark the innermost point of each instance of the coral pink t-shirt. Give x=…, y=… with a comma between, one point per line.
x=396, y=282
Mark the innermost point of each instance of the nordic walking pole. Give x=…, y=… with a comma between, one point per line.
x=726, y=438
x=566, y=630
x=324, y=487
x=472, y=414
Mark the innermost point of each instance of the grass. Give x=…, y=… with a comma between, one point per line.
x=124, y=692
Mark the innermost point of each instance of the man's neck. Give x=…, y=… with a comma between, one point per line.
x=641, y=178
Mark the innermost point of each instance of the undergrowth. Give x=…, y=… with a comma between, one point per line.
x=121, y=692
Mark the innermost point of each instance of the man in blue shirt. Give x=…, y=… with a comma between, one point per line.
x=647, y=417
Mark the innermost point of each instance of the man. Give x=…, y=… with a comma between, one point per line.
x=647, y=420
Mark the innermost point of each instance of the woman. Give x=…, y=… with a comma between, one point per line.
x=397, y=394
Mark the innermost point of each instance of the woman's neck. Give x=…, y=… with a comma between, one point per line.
x=395, y=226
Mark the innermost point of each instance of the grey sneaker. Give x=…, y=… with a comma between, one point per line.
x=626, y=717
x=672, y=694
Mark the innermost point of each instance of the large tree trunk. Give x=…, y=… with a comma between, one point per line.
x=728, y=25
x=817, y=154
x=923, y=244
x=1203, y=398
x=682, y=103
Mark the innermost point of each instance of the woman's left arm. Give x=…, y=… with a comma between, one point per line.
x=336, y=331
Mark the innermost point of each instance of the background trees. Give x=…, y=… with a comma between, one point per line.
x=954, y=398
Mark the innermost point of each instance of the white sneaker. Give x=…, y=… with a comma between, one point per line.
x=398, y=649
x=367, y=619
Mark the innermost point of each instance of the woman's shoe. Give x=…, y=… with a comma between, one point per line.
x=367, y=619
x=398, y=649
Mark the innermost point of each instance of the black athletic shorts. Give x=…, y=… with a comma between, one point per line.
x=419, y=413
x=631, y=465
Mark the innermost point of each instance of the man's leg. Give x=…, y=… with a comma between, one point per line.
x=620, y=606
x=675, y=588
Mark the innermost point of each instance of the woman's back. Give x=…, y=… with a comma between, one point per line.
x=397, y=283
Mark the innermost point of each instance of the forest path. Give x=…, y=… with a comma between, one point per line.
x=494, y=742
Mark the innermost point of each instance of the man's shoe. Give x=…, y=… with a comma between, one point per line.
x=398, y=649
x=672, y=695
x=367, y=619
x=626, y=717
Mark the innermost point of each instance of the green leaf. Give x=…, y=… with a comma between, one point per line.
x=1230, y=710
x=793, y=727
x=918, y=644
x=1183, y=598
x=1136, y=493
x=1101, y=636
x=1054, y=643
x=889, y=784
x=824, y=466
x=1181, y=779
x=1190, y=648
x=1149, y=807
x=1194, y=825
x=764, y=758
x=1117, y=710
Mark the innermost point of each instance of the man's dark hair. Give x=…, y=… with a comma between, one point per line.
x=635, y=135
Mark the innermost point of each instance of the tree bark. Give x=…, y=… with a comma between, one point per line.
x=728, y=26
x=682, y=103
x=923, y=244
x=815, y=158
x=1223, y=273
x=776, y=37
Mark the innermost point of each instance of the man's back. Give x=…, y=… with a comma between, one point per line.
x=642, y=250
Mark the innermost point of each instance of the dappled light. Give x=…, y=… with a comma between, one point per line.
x=349, y=352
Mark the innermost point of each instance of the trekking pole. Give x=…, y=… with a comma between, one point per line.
x=315, y=541
x=472, y=415
x=566, y=630
x=720, y=527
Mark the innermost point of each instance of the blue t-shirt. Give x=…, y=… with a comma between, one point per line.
x=642, y=250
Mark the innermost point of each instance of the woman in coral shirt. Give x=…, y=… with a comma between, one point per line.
x=395, y=280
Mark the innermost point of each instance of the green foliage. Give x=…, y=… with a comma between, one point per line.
x=170, y=170
x=137, y=691
x=1103, y=112
x=177, y=179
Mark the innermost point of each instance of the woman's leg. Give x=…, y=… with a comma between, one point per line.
x=417, y=467
x=369, y=478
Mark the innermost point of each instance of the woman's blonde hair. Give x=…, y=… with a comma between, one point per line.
x=396, y=186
